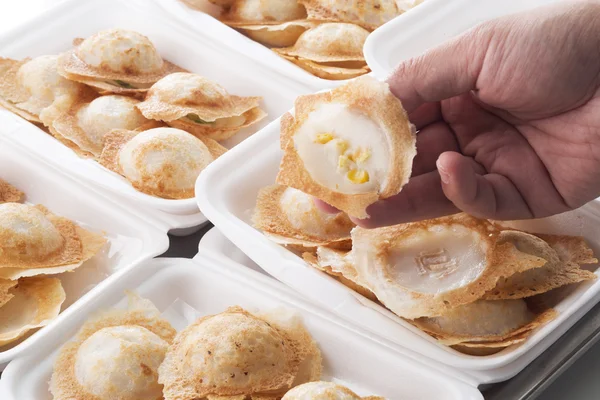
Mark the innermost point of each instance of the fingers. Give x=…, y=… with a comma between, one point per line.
x=432, y=141
x=421, y=198
x=426, y=114
x=321, y=205
x=504, y=151
x=491, y=196
x=443, y=72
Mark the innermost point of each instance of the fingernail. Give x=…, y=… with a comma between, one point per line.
x=443, y=173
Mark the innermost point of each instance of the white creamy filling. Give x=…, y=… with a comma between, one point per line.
x=302, y=214
x=354, y=161
x=319, y=391
x=279, y=10
x=115, y=362
x=120, y=49
x=106, y=113
x=183, y=86
x=24, y=224
x=41, y=79
x=171, y=156
x=438, y=260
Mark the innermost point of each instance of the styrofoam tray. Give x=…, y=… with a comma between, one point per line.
x=204, y=286
x=199, y=51
x=229, y=206
x=206, y=19
x=215, y=243
x=529, y=383
x=431, y=24
x=131, y=237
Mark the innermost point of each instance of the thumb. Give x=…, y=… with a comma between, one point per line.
x=442, y=72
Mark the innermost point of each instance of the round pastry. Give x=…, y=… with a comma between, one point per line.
x=164, y=162
x=115, y=61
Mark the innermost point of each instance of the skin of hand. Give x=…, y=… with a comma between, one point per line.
x=508, y=119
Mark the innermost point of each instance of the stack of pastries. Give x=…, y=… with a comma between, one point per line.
x=136, y=354
x=113, y=98
x=35, y=247
x=324, y=37
x=470, y=283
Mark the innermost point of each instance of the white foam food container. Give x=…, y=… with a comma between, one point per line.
x=234, y=187
x=186, y=289
x=431, y=24
x=215, y=242
x=201, y=51
x=205, y=17
x=132, y=236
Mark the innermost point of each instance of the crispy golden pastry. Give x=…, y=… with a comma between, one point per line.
x=9, y=193
x=280, y=35
x=289, y=216
x=329, y=72
x=33, y=89
x=115, y=355
x=330, y=43
x=324, y=391
x=518, y=336
x=239, y=355
x=86, y=124
x=274, y=23
x=368, y=14
x=348, y=147
x=115, y=61
x=557, y=271
x=34, y=302
x=482, y=320
x=34, y=241
x=263, y=12
x=5, y=290
x=570, y=248
x=338, y=263
x=162, y=162
x=330, y=51
x=199, y=106
x=426, y=268
x=311, y=366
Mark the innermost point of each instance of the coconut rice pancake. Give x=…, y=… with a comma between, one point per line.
x=29, y=303
x=33, y=89
x=197, y=105
x=115, y=61
x=115, y=355
x=330, y=51
x=324, y=391
x=86, y=124
x=162, y=162
x=289, y=216
x=236, y=354
x=34, y=241
x=327, y=154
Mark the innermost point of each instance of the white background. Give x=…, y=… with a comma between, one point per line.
x=580, y=382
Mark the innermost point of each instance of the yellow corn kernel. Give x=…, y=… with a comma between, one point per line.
x=358, y=176
x=324, y=138
x=360, y=156
x=344, y=161
x=342, y=146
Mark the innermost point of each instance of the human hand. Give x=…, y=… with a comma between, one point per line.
x=508, y=117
